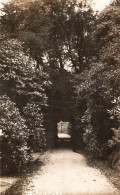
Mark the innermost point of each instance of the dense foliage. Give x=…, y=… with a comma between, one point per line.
x=34, y=120
x=98, y=88
x=24, y=85
x=15, y=150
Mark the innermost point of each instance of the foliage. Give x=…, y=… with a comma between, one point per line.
x=92, y=120
x=15, y=151
x=34, y=120
x=110, y=55
x=115, y=115
x=57, y=30
x=98, y=88
x=20, y=78
x=25, y=85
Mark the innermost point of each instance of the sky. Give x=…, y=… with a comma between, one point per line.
x=99, y=5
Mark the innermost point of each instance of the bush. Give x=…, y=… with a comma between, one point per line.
x=92, y=99
x=34, y=120
x=15, y=151
x=25, y=85
x=89, y=135
x=115, y=116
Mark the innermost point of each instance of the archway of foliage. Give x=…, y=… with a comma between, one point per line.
x=41, y=41
x=59, y=100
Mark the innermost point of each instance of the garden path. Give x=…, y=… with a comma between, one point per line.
x=67, y=172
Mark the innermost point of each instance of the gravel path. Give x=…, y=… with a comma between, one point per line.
x=66, y=172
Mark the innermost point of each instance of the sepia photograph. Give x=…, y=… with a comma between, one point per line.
x=59, y=97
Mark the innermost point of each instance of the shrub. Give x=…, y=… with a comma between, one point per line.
x=115, y=116
x=25, y=85
x=15, y=151
x=91, y=103
x=34, y=120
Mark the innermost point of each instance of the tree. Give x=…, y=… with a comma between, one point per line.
x=98, y=88
x=57, y=30
x=73, y=23
x=30, y=24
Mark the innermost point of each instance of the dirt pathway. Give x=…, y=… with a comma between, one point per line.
x=66, y=172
